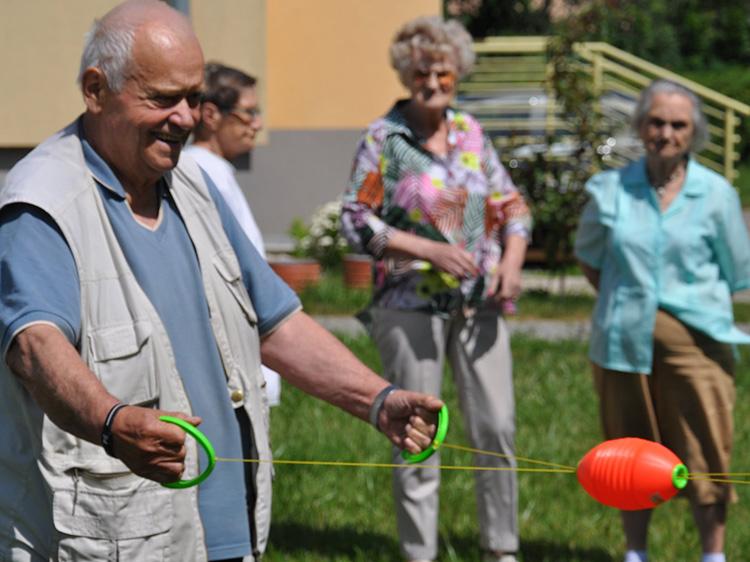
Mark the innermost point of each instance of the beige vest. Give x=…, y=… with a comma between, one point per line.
x=62, y=497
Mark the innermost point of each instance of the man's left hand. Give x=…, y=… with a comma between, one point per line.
x=409, y=419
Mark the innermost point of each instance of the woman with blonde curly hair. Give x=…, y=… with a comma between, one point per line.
x=429, y=200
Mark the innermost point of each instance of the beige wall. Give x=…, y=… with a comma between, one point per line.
x=40, y=49
x=233, y=32
x=328, y=60
x=321, y=64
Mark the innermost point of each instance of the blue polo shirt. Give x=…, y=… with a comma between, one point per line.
x=687, y=260
x=40, y=284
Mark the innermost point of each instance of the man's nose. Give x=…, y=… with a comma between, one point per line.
x=184, y=115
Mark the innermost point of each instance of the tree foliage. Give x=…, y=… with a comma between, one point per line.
x=678, y=34
x=554, y=185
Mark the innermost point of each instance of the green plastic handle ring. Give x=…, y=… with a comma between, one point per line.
x=442, y=431
x=680, y=476
x=203, y=442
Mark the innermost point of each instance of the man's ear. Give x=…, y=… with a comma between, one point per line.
x=94, y=89
x=211, y=115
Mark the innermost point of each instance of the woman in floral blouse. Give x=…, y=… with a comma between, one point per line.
x=430, y=201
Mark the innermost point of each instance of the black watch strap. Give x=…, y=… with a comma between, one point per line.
x=377, y=404
x=107, y=438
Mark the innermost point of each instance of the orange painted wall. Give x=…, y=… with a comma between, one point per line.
x=322, y=64
x=327, y=65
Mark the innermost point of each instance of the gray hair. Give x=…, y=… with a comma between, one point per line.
x=109, y=48
x=433, y=36
x=663, y=86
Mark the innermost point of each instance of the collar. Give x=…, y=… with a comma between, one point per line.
x=213, y=157
x=396, y=123
x=695, y=185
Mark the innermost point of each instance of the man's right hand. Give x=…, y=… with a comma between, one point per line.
x=148, y=446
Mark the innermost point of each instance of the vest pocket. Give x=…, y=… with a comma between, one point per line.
x=124, y=361
x=229, y=270
x=113, y=517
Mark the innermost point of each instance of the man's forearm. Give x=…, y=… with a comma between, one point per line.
x=312, y=359
x=59, y=381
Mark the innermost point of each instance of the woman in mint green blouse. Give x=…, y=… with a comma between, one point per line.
x=664, y=242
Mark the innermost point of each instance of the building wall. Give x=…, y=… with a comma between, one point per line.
x=328, y=61
x=40, y=50
x=323, y=75
x=328, y=76
x=233, y=32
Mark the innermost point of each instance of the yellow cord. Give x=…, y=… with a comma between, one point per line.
x=521, y=459
x=553, y=467
x=390, y=465
x=717, y=480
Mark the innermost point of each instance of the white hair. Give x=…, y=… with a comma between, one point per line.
x=109, y=48
x=664, y=86
x=434, y=36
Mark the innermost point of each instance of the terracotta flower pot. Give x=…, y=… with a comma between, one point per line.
x=296, y=272
x=358, y=271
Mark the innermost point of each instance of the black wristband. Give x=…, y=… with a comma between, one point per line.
x=377, y=404
x=107, y=440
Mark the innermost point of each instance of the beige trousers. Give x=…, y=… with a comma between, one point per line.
x=413, y=347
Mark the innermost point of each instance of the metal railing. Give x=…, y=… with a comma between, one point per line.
x=510, y=91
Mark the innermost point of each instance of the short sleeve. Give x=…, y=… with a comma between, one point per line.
x=363, y=200
x=516, y=216
x=733, y=245
x=38, y=275
x=591, y=234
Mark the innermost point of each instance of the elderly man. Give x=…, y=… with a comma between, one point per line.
x=130, y=291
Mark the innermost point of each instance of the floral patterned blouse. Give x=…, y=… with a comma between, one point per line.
x=465, y=198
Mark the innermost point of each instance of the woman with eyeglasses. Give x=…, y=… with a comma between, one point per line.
x=664, y=242
x=429, y=200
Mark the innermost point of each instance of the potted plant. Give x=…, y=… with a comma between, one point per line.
x=316, y=245
x=326, y=242
x=297, y=269
x=357, y=271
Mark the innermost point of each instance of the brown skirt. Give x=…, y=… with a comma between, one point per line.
x=686, y=403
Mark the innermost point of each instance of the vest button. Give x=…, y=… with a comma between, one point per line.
x=237, y=395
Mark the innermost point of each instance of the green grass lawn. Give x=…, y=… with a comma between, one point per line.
x=346, y=514
x=330, y=296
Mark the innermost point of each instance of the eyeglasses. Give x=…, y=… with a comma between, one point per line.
x=445, y=78
x=246, y=115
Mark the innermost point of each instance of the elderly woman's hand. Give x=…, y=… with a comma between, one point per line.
x=506, y=282
x=451, y=259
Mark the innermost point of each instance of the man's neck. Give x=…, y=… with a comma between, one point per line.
x=141, y=193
